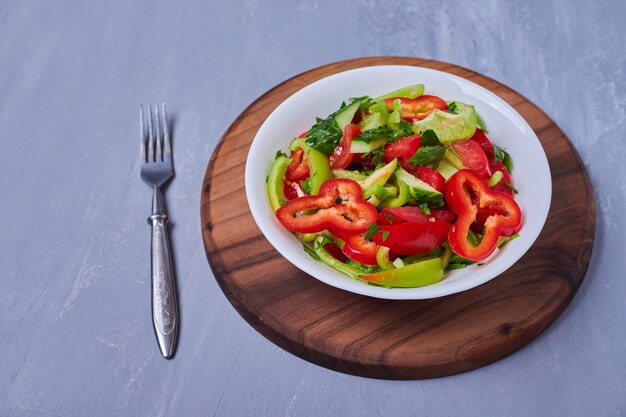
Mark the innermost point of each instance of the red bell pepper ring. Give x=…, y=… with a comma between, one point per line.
x=466, y=193
x=299, y=168
x=341, y=156
x=414, y=238
x=339, y=207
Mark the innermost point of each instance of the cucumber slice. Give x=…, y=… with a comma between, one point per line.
x=360, y=146
x=450, y=127
x=446, y=169
x=420, y=191
x=344, y=117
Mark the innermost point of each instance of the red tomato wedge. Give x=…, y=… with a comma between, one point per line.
x=299, y=168
x=432, y=177
x=418, y=108
x=484, y=143
x=290, y=189
x=473, y=157
x=403, y=149
x=506, y=178
x=341, y=156
x=335, y=252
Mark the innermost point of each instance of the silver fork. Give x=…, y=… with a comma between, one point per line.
x=156, y=170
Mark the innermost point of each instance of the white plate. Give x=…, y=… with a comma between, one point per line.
x=531, y=173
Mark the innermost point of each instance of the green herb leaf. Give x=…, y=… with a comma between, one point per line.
x=371, y=231
x=507, y=240
x=428, y=197
x=510, y=186
x=452, y=107
x=452, y=266
x=498, y=153
x=310, y=252
x=279, y=154
x=389, y=217
x=507, y=161
x=306, y=186
x=428, y=156
x=385, y=235
x=425, y=208
x=430, y=138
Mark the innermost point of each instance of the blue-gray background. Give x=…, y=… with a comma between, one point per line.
x=75, y=331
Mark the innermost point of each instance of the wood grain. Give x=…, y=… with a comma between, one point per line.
x=395, y=339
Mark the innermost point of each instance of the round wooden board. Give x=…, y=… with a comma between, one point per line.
x=395, y=339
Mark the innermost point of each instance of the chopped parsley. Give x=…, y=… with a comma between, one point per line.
x=385, y=235
x=306, y=186
x=371, y=231
x=425, y=208
x=431, y=151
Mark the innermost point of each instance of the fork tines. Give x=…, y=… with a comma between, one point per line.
x=158, y=139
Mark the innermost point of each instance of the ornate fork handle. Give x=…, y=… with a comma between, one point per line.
x=164, y=310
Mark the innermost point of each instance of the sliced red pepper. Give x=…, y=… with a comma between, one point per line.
x=414, y=109
x=413, y=238
x=473, y=157
x=466, y=193
x=290, y=190
x=409, y=214
x=339, y=207
x=299, y=168
x=359, y=249
x=341, y=156
x=403, y=149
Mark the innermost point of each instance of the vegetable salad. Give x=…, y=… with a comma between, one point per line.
x=396, y=190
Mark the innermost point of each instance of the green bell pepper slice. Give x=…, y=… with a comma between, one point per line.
x=275, y=181
x=418, y=274
x=382, y=258
x=328, y=259
x=404, y=194
x=319, y=164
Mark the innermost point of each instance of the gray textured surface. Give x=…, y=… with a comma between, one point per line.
x=75, y=331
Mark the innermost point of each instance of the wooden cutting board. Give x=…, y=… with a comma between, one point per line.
x=395, y=339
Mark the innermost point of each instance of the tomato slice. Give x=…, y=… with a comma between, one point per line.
x=506, y=177
x=403, y=149
x=413, y=238
x=484, y=143
x=290, y=190
x=418, y=108
x=473, y=157
x=359, y=249
x=432, y=177
x=335, y=252
x=299, y=168
x=341, y=156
